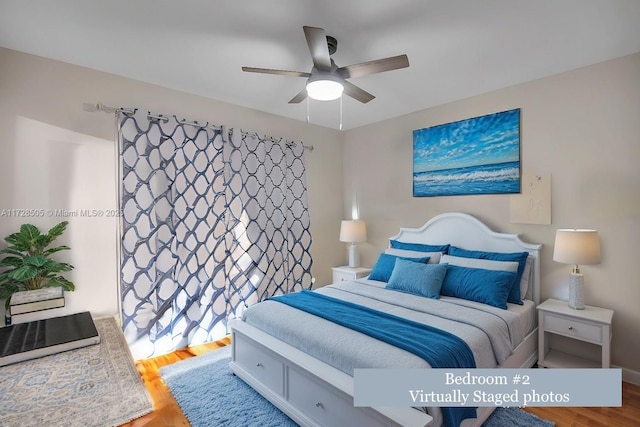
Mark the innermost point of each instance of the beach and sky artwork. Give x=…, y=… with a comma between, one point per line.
x=480, y=155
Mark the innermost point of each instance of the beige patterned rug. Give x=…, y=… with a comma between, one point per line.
x=92, y=386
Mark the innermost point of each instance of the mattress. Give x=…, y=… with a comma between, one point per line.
x=491, y=333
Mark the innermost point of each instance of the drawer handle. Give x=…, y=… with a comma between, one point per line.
x=258, y=365
x=571, y=328
x=318, y=405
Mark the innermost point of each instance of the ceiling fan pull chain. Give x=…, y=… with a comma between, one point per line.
x=340, y=112
x=307, y=109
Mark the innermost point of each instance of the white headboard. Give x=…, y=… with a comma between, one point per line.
x=466, y=231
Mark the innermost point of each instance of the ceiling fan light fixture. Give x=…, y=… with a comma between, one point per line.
x=326, y=81
x=324, y=89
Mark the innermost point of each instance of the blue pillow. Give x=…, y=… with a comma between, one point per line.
x=477, y=284
x=417, y=278
x=419, y=247
x=384, y=266
x=519, y=257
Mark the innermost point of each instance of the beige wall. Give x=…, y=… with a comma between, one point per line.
x=583, y=129
x=54, y=155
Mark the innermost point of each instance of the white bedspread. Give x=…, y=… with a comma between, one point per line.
x=491, y=333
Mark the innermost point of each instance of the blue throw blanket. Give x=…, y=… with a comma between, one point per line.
x=439, y=348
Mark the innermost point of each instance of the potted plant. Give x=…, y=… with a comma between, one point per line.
x=27, y=262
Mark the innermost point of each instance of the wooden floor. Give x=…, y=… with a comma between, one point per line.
x=167, y=413
x=628, y=415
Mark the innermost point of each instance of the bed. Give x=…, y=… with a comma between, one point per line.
x=304, y=364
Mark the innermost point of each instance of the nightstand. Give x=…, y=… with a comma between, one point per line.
x=349, y=273
x=593, y=324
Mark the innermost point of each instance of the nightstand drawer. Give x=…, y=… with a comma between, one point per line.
x=573, y=328
x=341, y=274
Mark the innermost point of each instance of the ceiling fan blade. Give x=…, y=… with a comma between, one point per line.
x=279, y=72
x=356, y=93
x=299, y=97
x=375, y=66
x=317, y=41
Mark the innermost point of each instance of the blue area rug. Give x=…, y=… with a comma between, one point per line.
x=514, y=417
x=210, y=395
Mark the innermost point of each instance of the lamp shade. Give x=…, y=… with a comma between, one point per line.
x=353, y=231
x=577, y=247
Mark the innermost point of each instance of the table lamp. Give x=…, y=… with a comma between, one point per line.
x=576, y=247
x=353, y=231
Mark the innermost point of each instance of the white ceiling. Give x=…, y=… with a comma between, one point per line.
x=456, y=48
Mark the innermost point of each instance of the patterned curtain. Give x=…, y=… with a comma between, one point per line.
x=213, y=221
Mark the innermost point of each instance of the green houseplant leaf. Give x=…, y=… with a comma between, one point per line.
x=29, y=231
x=23, y=273
x=56, y=249
x=11, y=261
x=18, y=242
x=62, y=282
x=36, y=260
x=56, y=267
x=11, y=252
x=8, y=290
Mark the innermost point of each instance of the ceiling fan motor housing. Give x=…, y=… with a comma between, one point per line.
x=332, y=43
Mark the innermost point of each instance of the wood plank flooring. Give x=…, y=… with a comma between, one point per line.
x=167, y=413
x=628, y=415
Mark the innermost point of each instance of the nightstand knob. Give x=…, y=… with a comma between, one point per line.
x=258, y=365
x=318, y=405
x=571, y=328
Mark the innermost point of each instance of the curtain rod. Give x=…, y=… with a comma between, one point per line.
x=92, y=108
x=276, y=140
x=104, y=108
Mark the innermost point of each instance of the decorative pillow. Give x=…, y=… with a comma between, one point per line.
x=487, y=264
x=417, y=278
x=421, y=247
x=384, y=266
x=478, y=284
x=520, y=257
x=434, y=257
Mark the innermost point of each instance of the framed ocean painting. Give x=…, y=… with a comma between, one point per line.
x=480, y=155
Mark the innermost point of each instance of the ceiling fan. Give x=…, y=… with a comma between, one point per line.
x=326, y=81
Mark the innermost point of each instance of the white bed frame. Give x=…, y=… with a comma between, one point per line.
x=314, y=393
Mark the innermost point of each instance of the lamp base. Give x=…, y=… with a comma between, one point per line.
x=576, y=291
x=354, y=260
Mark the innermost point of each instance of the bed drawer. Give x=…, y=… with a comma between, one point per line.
x=259, y=362
x=573, y=328
x=324, y=404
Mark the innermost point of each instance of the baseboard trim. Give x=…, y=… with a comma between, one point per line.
x=630, y=376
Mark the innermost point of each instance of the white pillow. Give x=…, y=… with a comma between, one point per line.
x=524, y=282
x=487, y=264
x=434, y=257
